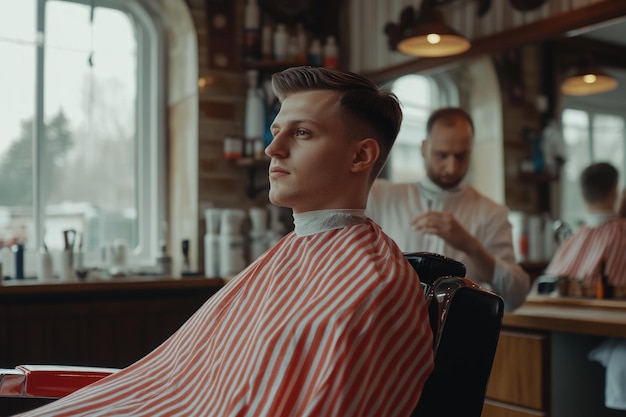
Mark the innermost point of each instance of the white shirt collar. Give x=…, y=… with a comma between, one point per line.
x=312, y=222
x=598, y=218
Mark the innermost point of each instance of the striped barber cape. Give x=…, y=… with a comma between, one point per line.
x=331, y=324
x=593, y=252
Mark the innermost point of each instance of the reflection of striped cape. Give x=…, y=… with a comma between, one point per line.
x=592, y=252
x=332, y=324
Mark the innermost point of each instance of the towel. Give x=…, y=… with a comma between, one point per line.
x=612, y=354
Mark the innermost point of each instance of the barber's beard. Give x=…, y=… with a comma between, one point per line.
x=445, y=182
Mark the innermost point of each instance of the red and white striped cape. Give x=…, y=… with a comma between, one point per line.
x=592, y=252
x=332, y=324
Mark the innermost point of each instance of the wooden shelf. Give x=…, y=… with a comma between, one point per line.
x=538, y=177
x=253, y=162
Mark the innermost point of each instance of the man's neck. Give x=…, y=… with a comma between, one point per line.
x=312, y=222
x=601, y=207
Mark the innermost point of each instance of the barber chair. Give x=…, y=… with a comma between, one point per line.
x=465, y=320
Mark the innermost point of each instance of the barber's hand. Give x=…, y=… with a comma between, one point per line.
x=444, y=225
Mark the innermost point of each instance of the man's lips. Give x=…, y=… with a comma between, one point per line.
x=277, y=172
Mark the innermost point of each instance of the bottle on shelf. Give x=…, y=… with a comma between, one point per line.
x=292, y=49
x=212, y=243
x=252, y=27
x=272, y=107
x=255, y=113
x=315, y=53
x=301, y=44
x=258, y=232
x=266, y=42
x=331, y=53
x=232, y=260
x=281, y=42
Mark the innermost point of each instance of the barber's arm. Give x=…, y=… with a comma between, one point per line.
x=494, y=257
x=508, y=279
x=445, y=225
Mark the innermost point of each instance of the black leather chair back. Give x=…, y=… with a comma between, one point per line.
x=466, y=322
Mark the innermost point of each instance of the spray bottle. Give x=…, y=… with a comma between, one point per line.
x=255, y=113
x=232, y=244
x=212, y=243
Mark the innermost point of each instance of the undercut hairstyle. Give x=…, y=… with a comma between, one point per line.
x=597, y=181
x=369, y=110
x=448, y=116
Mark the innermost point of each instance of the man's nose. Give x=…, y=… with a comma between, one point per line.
x=451, y=165
x=276, y=147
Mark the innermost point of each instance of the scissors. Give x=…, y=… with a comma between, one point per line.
x=69, y=236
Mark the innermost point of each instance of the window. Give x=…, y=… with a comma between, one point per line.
x=80, y=141
x=419, y=95
x=589, y=137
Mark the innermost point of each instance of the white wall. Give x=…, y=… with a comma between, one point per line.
x=485, y=106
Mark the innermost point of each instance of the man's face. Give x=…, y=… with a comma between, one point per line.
x=311, y=153
x=447, y=152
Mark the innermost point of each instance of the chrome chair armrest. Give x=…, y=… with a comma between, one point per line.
x=48, y=381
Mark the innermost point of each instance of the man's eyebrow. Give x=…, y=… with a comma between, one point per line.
x=295, y=122
x=298, y=121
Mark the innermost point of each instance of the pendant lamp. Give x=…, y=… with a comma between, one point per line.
x=425, y=35
x=586, y=79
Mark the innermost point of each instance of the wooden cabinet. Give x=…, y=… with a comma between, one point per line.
x=111, y=324
x=541, y=367
x=519, y=380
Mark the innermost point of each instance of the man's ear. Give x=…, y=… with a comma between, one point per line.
x=366, y=154
x=424, y=148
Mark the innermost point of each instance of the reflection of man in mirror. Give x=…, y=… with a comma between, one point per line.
x=441, y=213
x=595, y=254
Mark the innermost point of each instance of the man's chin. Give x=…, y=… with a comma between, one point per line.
x=276, y=198
x=446, y=185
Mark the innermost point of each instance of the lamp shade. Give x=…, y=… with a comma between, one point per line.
x=433, y=39
x=587, y=79
x=425, y=35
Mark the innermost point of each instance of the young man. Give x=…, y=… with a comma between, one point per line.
x=442, y=214
x=596, y=253
x=329, y=322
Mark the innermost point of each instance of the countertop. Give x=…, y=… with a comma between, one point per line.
x=28, y=288
x=570, y=315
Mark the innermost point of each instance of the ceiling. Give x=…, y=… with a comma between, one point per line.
x=613, y=31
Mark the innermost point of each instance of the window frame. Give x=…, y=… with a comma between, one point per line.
x=446, y=92
x=150, y=127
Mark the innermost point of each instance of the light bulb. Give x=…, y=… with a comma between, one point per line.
x=589, y=78
x=433, y=38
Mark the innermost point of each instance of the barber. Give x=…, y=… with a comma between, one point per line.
x=441, y=213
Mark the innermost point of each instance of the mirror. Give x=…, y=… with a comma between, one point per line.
x=540, y=54
x=606, y=45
